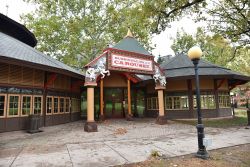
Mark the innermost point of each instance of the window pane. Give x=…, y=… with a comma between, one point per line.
x=154, y=105
x=13, y=105
x=49, y=105
x=67, y=109
x=169, y=103
x=177, y=103
x=56, y=105
x=37, y=105
x=61, y=105
x=184, y=102
x=224, y=99
x=26, y=104
x=207, y=100
x=2, y=105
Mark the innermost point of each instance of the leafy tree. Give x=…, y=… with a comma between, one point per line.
x=230, y=18
x=76, y=31
x=216, y=49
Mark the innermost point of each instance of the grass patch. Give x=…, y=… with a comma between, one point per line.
x=240, y=119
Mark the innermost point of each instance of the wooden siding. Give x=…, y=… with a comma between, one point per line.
x=61, y=82
x=115, y=80
x=18, y=75
x=176, y=85
x=205, y=83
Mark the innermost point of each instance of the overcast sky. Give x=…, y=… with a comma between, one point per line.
x=163, y=41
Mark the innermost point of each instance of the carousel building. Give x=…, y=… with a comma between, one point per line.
x=123, y=82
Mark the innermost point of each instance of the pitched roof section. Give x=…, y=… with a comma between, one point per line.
x=181, y=66
x=15, y=49
x=132, y=45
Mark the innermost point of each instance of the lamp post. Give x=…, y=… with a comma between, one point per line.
x=194, y=54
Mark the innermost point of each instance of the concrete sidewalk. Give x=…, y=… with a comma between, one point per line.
x=113, y=150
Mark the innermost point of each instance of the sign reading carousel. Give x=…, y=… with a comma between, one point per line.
x=131, y=63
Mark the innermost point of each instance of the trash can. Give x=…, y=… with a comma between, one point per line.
x=34, y=123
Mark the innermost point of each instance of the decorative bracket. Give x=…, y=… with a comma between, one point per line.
x=159, y=77
x=99, y=68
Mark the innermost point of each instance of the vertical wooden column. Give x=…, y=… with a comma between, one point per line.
x=101, y=101
x=129, y=98
x=135, y=104
x=90, y=104
x=216, y=97
x=129, y=114
x=90, y=125
x=161, y=102
x=161, y=119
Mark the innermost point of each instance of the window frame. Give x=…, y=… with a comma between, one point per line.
x=150, y=102
x=205, y=103
x=67, y=98
x=8, y=107
x=52, y=105
x=77, y=105
x=5, y=105
x=60, y=105
x=41, y=104
x=173, y=102
x=21, y=105
x=225, y=97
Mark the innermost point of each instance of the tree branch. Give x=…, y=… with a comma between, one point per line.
x=188, y=4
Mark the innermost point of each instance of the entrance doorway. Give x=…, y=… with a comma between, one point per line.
x=113, y=103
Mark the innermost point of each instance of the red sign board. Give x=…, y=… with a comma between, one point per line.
x=131, y=63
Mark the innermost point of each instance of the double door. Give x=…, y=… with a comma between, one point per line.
x=114, y=103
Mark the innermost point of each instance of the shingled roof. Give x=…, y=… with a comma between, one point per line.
x=13, y=49
x=182, y=66
x=130, y=44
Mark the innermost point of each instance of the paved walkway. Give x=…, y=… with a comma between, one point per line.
x=117, y=142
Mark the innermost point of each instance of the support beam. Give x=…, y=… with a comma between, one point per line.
x=216, y=97
x=90, y=125
x=161, y=119
x=101, y=101
x=221, y=83
x=129, y=114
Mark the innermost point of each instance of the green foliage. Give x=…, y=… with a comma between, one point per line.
x=155, y=153
x=216, y=49
x=76, y=31
x=230, y=18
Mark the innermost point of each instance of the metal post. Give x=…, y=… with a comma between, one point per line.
x=201, y=153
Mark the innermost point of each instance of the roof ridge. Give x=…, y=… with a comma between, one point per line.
x=172, y=59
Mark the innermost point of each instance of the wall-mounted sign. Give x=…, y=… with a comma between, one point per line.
x=134, y=63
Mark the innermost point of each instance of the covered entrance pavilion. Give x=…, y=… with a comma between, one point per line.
x=115, y=72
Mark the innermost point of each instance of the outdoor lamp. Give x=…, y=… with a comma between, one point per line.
x=194, y=54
